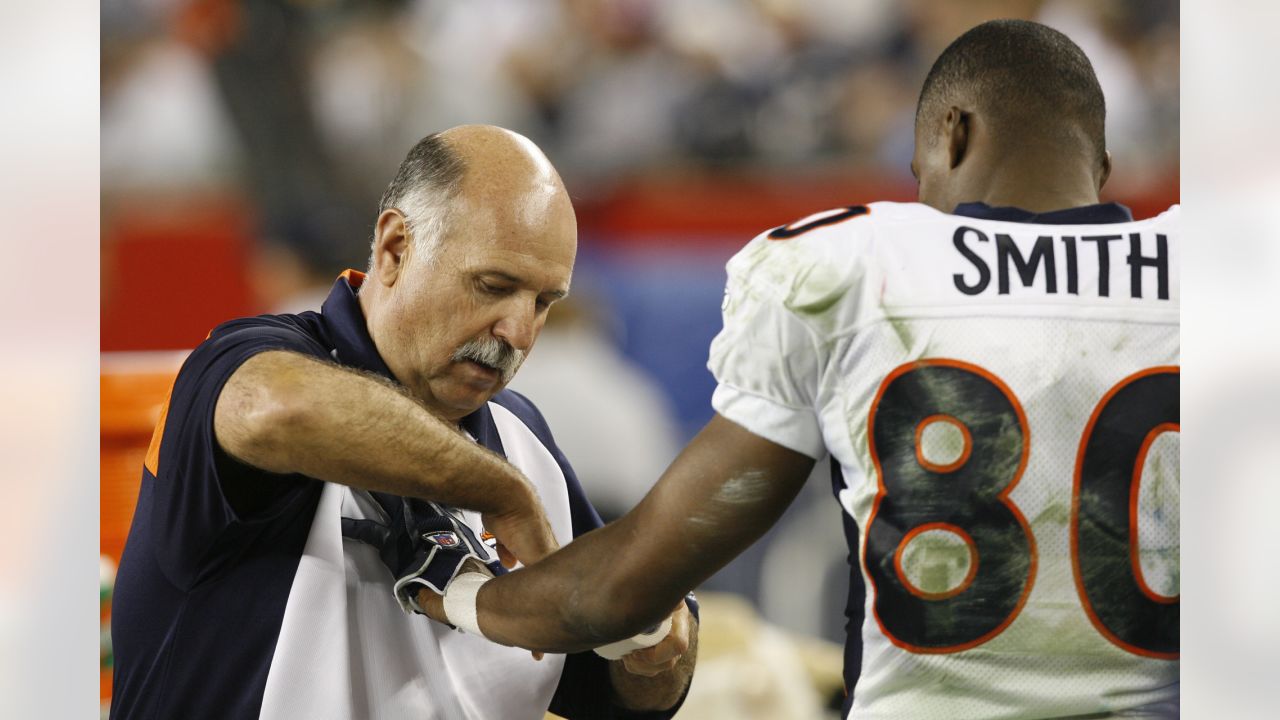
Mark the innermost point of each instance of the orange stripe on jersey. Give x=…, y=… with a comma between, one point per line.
x=355, y=278
x=152, y=461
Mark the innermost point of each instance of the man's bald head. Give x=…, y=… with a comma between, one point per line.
x=479, y=162
x=504, y=169
x=494, y=154
x=1032, y=83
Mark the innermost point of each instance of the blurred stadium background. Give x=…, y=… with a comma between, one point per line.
x=245, y=145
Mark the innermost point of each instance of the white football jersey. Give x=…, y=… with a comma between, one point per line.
x=1000, y=393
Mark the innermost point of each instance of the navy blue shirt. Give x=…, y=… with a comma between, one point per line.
x=214, y=544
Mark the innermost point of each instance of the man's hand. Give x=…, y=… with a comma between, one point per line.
x=432, y=604
x=655, y=678
x=523, y=534
x=664, y=656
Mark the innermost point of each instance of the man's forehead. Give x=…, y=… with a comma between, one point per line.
x=528, y=264
x=528, y=235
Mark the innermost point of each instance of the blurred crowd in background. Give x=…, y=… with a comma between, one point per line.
x=309, y=105
x=245, y=144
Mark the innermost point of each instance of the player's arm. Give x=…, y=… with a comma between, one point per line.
x=285, y=412
x=720, y=495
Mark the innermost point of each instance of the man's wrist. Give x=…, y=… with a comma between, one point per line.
x=518, y=496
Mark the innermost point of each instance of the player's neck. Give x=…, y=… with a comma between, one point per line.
x=1038, y=187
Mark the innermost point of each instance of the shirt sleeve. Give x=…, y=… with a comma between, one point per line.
x=200, y=513
x=766, y=361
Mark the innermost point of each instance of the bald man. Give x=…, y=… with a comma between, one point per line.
x=994, y=373
x=296, y=452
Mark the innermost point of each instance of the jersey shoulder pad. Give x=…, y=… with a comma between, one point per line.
x=810, y=263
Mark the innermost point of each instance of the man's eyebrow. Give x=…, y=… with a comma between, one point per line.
x=508, y=277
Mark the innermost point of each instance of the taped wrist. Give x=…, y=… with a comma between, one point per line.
x=460, y=601
x=646, y=639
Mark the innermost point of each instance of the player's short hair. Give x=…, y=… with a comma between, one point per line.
x=1031, y=81
x=423, y=190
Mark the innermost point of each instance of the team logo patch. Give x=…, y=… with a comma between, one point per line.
x=443, y=538
x=488, y=539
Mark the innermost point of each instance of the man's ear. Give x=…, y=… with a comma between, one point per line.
x=1106, y=169
x=390, y=243
x=957, y=127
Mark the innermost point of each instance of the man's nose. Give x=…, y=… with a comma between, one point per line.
x=518, y=325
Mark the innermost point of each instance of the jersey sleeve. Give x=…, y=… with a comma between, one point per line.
x=766, y=360
x=207, y=507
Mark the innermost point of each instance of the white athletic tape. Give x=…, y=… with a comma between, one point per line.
x=460, y=601
x=615, y=650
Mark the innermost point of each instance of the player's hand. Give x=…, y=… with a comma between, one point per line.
x=664, y=656
x=523, y=534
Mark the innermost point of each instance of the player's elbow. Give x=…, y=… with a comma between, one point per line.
x=612, y=610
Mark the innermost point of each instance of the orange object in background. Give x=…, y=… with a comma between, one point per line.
x=134, y=387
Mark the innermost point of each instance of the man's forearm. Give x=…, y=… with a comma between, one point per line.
x=637, y=692
x=288, y=413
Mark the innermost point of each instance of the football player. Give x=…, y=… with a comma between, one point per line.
x=994, y=373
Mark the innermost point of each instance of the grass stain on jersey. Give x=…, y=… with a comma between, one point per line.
x=816, y=289
x=902, y=331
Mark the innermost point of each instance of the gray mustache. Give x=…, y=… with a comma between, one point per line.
x=491, y=352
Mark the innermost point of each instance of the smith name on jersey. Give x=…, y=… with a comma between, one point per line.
x=998, y=392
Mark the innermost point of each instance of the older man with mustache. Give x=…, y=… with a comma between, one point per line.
x=301, y=455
